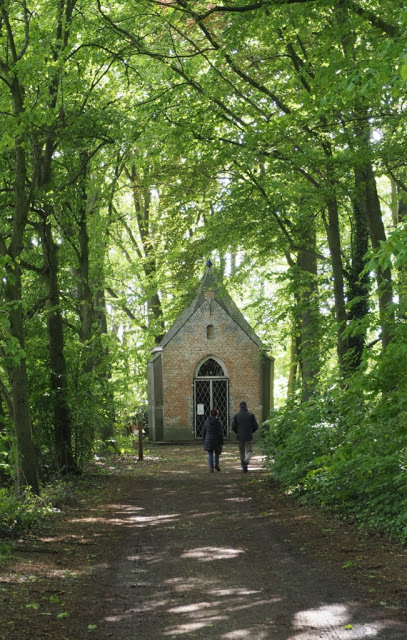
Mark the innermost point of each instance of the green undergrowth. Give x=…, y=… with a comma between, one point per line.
x=19, y=513
x=346, y=452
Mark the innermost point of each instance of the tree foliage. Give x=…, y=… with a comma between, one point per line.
x=137, y=139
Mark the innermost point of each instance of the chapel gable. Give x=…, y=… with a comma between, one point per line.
x=209, y=358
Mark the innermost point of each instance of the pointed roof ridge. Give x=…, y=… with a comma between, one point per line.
x=211, y=281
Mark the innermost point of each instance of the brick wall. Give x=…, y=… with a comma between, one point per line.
x=193, y=343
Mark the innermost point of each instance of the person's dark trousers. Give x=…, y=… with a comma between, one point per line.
x=245, y=450
x=211, y=461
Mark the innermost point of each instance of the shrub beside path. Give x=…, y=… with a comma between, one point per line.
x=162, y=549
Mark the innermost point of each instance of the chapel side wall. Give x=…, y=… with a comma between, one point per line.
x=239, y=353
x=155, y=398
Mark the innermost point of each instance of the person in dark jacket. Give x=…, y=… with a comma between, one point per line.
x=244, y=424
x=213, y=439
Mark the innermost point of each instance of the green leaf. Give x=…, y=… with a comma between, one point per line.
x=55, y=600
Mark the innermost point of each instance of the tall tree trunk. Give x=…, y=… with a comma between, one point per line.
x=292, y=375
x=102, y=366
x=370, y=206
x=334, y=243
x=366, y=190
x=58, y=381
x=103, y=362
x=92, y=314
x=4, y=479
x=142, y=207
x=150, y=268
x=59, y=391
x=358, y=286
x=26, y=464
x=399, y=214
x=85, y=291
x=331, y=225
x=309, y=351
x=85, y=300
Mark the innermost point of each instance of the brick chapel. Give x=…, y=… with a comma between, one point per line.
x=209, y=358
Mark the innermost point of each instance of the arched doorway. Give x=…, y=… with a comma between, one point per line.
x=211, y=391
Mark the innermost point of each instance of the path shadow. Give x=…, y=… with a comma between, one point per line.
x=204, y=562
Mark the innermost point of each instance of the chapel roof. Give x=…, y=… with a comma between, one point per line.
x=211, y=282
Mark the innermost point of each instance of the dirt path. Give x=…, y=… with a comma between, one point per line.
x=168, y=550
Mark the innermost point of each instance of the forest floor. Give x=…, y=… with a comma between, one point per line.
x=162, y=549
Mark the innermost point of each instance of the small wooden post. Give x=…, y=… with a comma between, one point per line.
x=140, y=439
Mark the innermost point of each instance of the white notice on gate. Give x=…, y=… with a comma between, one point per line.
x=200, y=409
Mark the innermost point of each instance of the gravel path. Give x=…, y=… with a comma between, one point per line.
x=201, y=557
x=164, y=549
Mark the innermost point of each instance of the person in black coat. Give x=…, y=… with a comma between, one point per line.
x=213, y=439
x=244, y=424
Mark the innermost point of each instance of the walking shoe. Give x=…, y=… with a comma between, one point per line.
x=217, y=468
x=211, y=470
x=244, y=467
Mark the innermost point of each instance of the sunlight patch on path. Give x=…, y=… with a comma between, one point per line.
x=207, y=554
x=190, y=627
x=332, y=619
x=334, y=614
x=246, y=634
x=232, y=592
x=190, y=608
x=358, y=632
x=153, y=519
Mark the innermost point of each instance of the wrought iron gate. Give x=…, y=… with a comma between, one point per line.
x=211, y=394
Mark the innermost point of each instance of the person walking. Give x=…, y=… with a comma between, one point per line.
x=213, y=439
x=244, y=424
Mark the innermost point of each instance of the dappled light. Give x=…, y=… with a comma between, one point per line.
x=71, y=539
x=152, y=520
x=189, y=627
x=127, y=508
x=203, y=206
x=138, y=521
x=336, y=614
x=190, y=608
x=208, y=554
x=167, y=559
x=233, y=592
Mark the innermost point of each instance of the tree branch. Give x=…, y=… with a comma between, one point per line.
x=390, y=29
x=239, y=72
x=399, y=182
x=32, y=267
x=126, y=310
x=40, y=304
